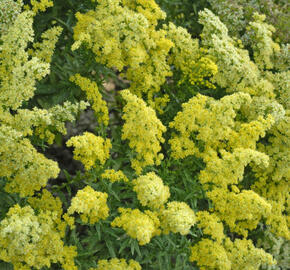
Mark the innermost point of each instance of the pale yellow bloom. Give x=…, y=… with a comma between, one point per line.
x=99, y=105
x=150, y=190
x=143, y=130
x=90, y=204
x=114, y=176
x=117, y=264
x=90, y=148
x=138, y=225
x=32, y=237
x=177, y=217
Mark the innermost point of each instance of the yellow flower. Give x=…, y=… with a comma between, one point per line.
x=150, y=190
x=211, y=225
x=143, y=130
x=40, y=5
x=186, y=55
x=177, y=217
x=35, y=240
x=117, y=264
x=210, y=255
x=122, y=34
x=90, y=148
x=114, y=176
x=90, y=204
x=93, y=94
x=44, y=50
x=138, y=225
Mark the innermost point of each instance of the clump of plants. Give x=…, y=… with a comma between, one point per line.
x=186, y=167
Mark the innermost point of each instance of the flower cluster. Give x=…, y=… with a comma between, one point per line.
x=211, y=225
x=236, y=71
x=234, y=63
x=90, y=148
x=9, y=10
x=234, y=140
x=221, y=252
x=261, y=41
x=210, y=255
x=143, y=130
x=94, y=96
x=240, y=254
x=274, y=180
x=225, y=134
x=138, y=225
x=114, y=176
x=244, y=255
x=25, y=169
x=237, y=14
x=177, y=217
x=205, y=125
x=19, y=72
x=186, y=55
x=40, y=5
x=117, y=264
x=41, y=122
x=45, y=49
x=150, y=190
x=90, y=204
x=123, y=34
x=31, y=236
x=278, y=247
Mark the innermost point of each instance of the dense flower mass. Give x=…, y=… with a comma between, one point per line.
x=90, y=204
x=185, y=142
x=45, y=50
x=210, y=255
x=237, y=14
x=40, y=5
x=143, y=130
x=117, y=264
x=150, y=190
x=177, y=217
x=123, y=34
x=138, y=225
x=205, y=125
x=187, y=56
x=25, y=169
x=19, y=72
x=211, y=225
x=32, y=236
x=94, y=96
x=10, y=9
x=240, y=254
x=90, y=148
x=114, y=176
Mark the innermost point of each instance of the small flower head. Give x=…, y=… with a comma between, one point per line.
x=151, y=191
x=114, y=176
x=143, y=130
x=33, y=239
x=90, y=148
x=90, y=204
x=117, y=264
x=178, y=217
x=138, y=225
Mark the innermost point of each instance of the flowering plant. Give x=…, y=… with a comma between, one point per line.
x=184, y=163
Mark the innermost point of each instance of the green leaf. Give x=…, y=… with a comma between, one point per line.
x=110, y=248
x=6, y=266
